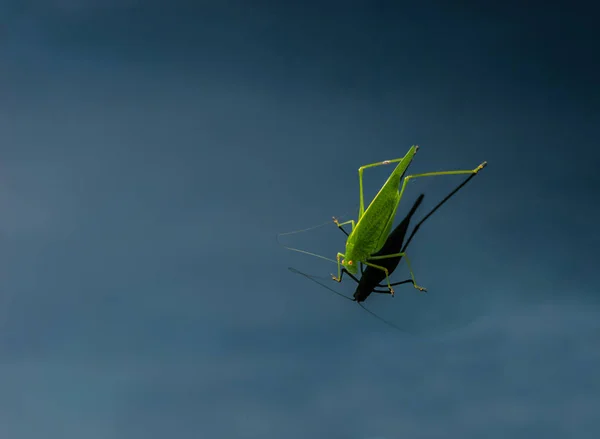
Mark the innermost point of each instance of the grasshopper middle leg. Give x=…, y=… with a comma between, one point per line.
x=396, y=255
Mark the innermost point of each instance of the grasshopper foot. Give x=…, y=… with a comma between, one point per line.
x=480, y=167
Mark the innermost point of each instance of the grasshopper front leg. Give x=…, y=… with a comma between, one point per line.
x=340, y=272
x=341, y=225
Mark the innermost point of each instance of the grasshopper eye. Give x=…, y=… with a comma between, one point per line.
x=349, y=262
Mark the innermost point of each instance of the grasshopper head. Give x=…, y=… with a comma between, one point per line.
x=350, y=265
x=349, y=262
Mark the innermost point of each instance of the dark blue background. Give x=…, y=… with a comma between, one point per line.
x=150, y=151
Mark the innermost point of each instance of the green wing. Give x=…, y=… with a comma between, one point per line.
x=379, y=217
x=392, y=187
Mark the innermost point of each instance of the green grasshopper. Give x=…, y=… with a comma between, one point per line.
x=374, y=224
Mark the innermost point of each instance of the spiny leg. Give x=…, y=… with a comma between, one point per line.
x=450, y=195
x=420, y=223
x=439, y=173
x=432, y=211
x=400, y=255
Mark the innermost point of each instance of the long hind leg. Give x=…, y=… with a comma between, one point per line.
x=435, y=174
x=403, y=254
x=420, y=223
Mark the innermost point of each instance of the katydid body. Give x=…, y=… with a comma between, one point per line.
x=370, y=233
